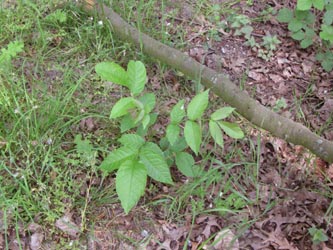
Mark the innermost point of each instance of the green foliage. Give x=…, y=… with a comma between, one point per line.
x=131, y=183
x=307, y=4
x=318, y=235
x=242, y=26
x=11, y=52
x=136, y=158
x=280, y=104
x=232, y=201
x=83, y=147
x=112, y=72
x=326, y=60
x=193, y=135
x=216, y=126
x=186, y=164
x=57, y=16
x=197, y=106
x=302, y=25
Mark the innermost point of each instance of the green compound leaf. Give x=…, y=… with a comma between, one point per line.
x=318, y=4
x=132, y=140
x=328, y=17
x=180, y=145
x=304, y=4
x=122, y=107
x=231, y=129
x=285, y=15
x=222, y=113
x=310, y=33
x=7, y=54
x=326, y=60
x=326, y=33
x=130, y=183
x=172, y=133
x=327, y=65
x=13, y=49
x=216, y=133
x=295, y=25
x=177, y=112
x=148, y=100
x=83, y=146
x=299, y=35
x=117, y=157
x=318, y=235
x=185, y=164
x=137, y=76
x=198, y=105
x=193, y=135
x=145, y=121
x=152, y=157
x=112, y=72
x=306, y=43
x=127, y=123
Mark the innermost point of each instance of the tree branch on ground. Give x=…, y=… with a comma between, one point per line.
x=219, y=83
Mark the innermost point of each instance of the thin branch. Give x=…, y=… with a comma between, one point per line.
x=221, y=85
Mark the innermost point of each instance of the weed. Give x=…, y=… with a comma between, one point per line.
x=242, y=26
x=280, y=104
x=302, y=25
x=137, y=158
x=318, y=235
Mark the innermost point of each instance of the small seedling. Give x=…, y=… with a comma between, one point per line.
x=137, y=158
x=302, y=25
x=242, y=26
x=326, y=60
x=280, y=104
x=318, y=235
x=8, y=54
x=269, y=44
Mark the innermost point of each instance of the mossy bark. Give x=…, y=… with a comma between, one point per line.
x=221, y=85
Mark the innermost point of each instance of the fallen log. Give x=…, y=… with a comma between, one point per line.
x=219, y=83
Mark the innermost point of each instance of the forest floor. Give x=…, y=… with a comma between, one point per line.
x=256, y=193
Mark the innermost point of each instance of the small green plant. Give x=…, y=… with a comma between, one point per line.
x=137, y=158
x=8, y=54
x=326, y=60
x=280, y=104
x=57, y=16
x=242, y=26
x=268, y=45
x=302, y=23
x=318, y=235
x=233, y=201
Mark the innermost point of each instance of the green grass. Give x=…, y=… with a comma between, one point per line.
x=45, y=94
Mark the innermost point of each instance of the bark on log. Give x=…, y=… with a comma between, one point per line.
x=219, y=83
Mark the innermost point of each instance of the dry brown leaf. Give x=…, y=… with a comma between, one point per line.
x=36, y=241
x=66, y=225
x=276, y=78
x=211, y=221
x=225, y=239
x=34, y=227
x=256, y=76
x=307, y=66
x=88, y=124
